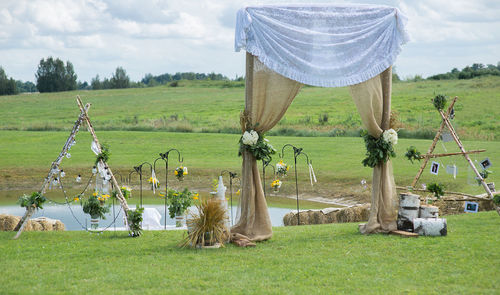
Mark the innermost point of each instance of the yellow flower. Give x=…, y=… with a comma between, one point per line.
x=195, y=197
x=76, y=199
x=238, y=192
x=175, y=172
x=161, y=195
x=105, y=196
x=95, y=194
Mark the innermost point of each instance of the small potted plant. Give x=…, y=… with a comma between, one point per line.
x=96, y=207
x=178, y=202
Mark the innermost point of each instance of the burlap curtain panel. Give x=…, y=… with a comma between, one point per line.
x=268, y=96
x=373, y=100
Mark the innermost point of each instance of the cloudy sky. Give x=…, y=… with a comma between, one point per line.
x=168, y=36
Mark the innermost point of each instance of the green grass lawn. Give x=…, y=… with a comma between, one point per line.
x=320, y=259
x=212, y=107
x=26, y=157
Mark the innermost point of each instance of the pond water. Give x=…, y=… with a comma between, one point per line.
x=74, y=219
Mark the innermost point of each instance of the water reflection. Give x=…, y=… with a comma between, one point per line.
x=65, y=214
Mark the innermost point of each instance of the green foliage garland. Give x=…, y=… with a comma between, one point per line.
x=134, y=218
x=412, y=154
x=377, y=150
x=437, y=189
x=104, y=155
x=496, y=199
x=484, y=174
x=439, y=102
x=36, y=199
x=95, y=208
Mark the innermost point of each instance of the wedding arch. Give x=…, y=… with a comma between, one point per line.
x=322, y=45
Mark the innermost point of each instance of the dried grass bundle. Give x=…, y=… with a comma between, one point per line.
x=207, y=227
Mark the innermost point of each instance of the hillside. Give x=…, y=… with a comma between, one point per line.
x=214, y=106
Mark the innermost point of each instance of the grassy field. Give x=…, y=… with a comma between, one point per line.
x=212, y=106
x=26, y=157
x=321, y=259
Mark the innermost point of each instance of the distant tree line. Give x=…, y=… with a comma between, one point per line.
x=7, y=86
x=150, y=80
x=469, y=72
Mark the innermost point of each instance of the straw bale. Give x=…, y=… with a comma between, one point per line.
x=457, y=207
x=59, y=226
x=8, y=222
x=345, y=215
x=34, y=226
x=331, y=217
x=317, y=217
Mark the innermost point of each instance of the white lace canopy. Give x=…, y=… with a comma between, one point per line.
x=323, y=45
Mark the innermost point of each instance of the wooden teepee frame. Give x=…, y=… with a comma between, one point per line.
x=446, y=123
x=54, y=168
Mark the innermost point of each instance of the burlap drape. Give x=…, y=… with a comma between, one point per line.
x=268, y=96
x=373, y=100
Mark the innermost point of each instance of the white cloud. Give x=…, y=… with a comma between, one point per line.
x=159, y=36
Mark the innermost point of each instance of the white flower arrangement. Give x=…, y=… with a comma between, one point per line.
x=250, y=137
x=390, y=136
x=282, y=168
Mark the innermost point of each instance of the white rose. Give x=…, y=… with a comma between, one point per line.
x=390, y=136
x=255, y=136
x=250, y=138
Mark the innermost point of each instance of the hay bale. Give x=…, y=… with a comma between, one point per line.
x=318, y=217
x=287, y=219
x=331, y=216
x=457, y=207
x=8, y=222
x=365, y=212
x=346, y=215
x=33, y=226
x=59, y=226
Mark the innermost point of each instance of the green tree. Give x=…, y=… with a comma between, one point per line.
x=96, y=83
x=52, y=75
x=7, y=86
x=120, y=79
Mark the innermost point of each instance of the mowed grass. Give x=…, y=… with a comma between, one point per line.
x=211, y=106
x=320, y=259
x=26, y=157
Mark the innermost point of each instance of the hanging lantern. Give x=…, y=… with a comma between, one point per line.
x=108, y=176
x=62, y=173
x=68, y=155
x=94, y=170
x=104, y=181
x=55, y=181
x=78, y=178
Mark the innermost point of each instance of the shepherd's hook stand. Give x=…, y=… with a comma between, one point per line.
x=265, y=163
x=232, y=175
x=296, y=152
x=164, y=157
x=138, y=169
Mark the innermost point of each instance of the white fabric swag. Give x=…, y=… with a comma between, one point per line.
x=323, y=45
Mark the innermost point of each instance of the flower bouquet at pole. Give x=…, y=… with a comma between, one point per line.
x=178, y=202
x=282, y=168
x=180, y=171
x=155, y=183
x=275, y=185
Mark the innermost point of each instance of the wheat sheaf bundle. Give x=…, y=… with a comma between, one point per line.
x=207, y=227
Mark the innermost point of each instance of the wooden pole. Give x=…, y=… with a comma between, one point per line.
x=459, y=143
x=119, y=195
x=53, y=168
x=433, y=145
x=451, y=154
